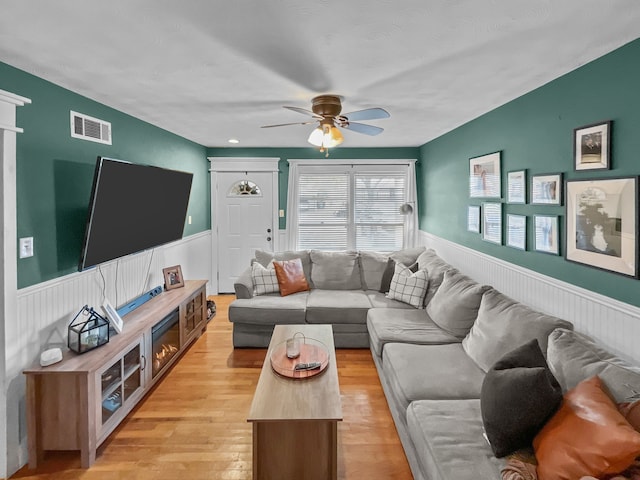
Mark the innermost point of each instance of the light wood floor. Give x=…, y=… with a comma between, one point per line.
x=193, y=424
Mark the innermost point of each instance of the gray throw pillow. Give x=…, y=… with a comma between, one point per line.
x=574, y=357
x=372, y=268
x=264, y=258
x=519, y=394
x=504, y=324
x=454, y=307
x=335, y=270
x=436, y=267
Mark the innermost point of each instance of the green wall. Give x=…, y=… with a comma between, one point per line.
x=312, y=154
x=55, y=171
x=535, y=132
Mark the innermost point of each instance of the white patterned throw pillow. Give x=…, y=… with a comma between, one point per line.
x=408, y=287
x=264, y=279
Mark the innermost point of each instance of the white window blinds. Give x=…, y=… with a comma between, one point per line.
x=350, y=207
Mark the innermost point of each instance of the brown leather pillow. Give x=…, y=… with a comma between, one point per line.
x=631, y=411
x=290, y=276
x=587, y=436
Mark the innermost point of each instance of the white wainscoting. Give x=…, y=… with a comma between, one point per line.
x=46, y=309
x=613, y=324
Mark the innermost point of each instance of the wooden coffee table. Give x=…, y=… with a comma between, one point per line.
x=295, y=421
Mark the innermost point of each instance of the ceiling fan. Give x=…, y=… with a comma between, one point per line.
x=325, y=109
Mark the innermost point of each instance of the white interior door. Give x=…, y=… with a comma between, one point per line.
x=245, y=203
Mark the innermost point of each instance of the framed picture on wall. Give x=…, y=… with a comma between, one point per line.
x=517, y=231
x=546, y=236
x=592, y=146
x=517, y=187
x=484, y=176
x=546, y=189
x=602, y=223
x=473, y=218
x=492, y=222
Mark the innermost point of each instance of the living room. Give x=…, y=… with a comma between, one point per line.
x=534, y=133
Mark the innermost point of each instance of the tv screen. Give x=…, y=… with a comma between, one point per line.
x=133, y=208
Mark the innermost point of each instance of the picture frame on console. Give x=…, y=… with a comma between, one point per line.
x=173, y=277
x=602, y=224
x=592, y=146
x=112, y=315
x=484, y=176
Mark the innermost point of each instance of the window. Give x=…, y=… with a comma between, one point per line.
x=342, y=207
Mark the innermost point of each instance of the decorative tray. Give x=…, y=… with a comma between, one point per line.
x=311, y=351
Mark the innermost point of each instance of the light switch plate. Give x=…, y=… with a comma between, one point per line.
x=26, y=247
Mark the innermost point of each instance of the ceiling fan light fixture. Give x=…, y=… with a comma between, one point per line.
x=325, y=136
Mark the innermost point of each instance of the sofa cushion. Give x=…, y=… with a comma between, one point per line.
x=380, y=300
x=269, y=309
x=436, y=268
x=391, y=325
x=407, y=286
x=335, y=270
x=264, y=279
x=407, y=256
x=504, y=324
x=265, y=257
x=519, y=394
x=291, y=277
x=372, y=267
x=574, y=357
x=447, y=435
x=337, y=306
x=587, y=436
x=454, y=307
x=434, y=372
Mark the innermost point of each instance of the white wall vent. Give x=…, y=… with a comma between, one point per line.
x=89, y=128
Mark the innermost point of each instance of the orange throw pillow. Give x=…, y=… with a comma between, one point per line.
x=586, y=436
x=290, y=276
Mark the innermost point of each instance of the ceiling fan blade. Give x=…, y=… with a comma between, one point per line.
x=287, y=124
x=367, y=114
x=304, y=111
x=362, y=128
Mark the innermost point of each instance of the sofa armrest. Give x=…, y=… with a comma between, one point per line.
x=244, y=285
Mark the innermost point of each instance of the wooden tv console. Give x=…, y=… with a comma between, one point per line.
x=75, y=404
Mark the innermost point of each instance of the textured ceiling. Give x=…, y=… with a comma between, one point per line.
x=214, y=70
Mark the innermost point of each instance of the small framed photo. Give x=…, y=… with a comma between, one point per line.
x=546, y=189
x=517, y=187
x=173, y=277
x=602, y=224
x=592, y=147
x=546, y=234
x=484, y=176
x=517, y=231
x=112, y=315
x=473, y=218
x=492, y=222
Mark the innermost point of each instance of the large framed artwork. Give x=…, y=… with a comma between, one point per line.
x=484, y=176
x=602, y=223
x=492, y=222
x=592, y=147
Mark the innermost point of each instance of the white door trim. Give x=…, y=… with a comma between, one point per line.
x=238, y=164
x=9, y=410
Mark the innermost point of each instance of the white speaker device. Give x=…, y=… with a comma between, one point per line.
x=51, y=356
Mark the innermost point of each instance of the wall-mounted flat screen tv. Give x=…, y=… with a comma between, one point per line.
x=133, y=208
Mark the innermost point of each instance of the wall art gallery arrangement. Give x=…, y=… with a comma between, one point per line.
x=601, y=226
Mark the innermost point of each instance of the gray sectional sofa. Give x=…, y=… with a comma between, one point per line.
x=431, y=361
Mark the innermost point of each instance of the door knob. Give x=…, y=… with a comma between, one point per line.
x=268, y=230
x=268, y=239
